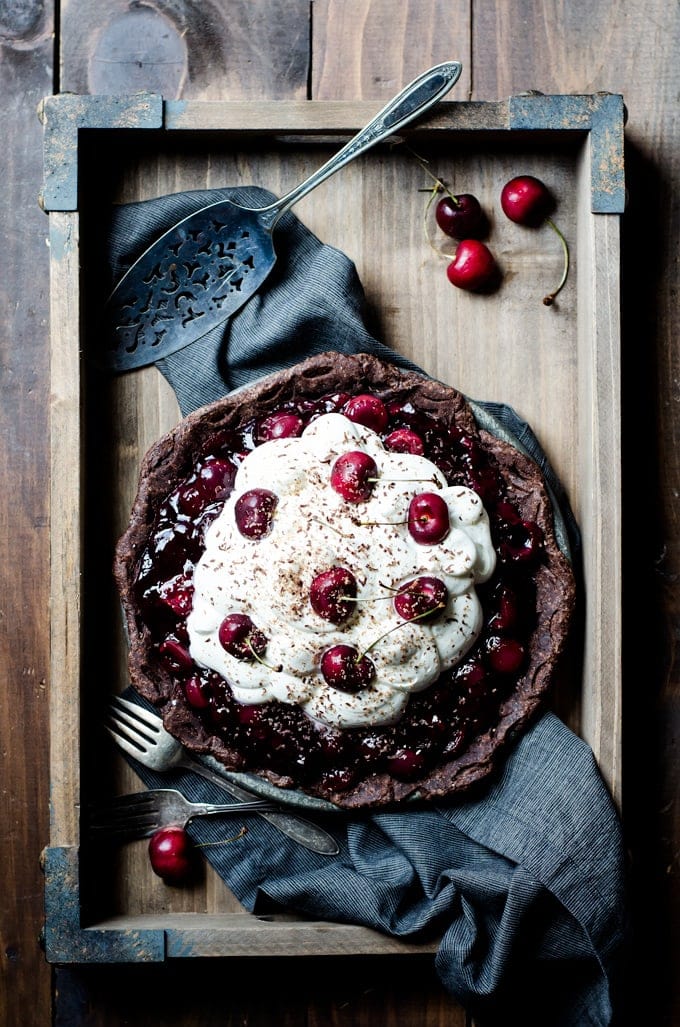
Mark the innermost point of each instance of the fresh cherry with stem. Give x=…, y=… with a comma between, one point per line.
x=528, y=201
x=171, y=854
x=459, y=215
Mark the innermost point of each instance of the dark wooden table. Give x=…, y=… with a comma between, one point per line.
x=340, y=49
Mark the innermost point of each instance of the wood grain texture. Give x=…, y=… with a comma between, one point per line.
x=25, y=76
x=203, y=49
x=632, y=49
x=369, y=49
x=417, y=309
x=620, y=45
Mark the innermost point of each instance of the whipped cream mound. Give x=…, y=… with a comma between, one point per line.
x=315, y=529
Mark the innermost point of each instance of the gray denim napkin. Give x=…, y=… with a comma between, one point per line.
x=523, y=883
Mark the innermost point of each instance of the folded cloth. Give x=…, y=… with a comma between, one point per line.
x=523, y=883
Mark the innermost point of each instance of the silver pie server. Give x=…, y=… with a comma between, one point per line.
x=205, y=268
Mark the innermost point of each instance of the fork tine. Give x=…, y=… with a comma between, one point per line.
x=151, y=719
x=143, y=727
x=132, y=729
x=123, y=832
x=130, y=815
x=132, y=802
x=131, y=747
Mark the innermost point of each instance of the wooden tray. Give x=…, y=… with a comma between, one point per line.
x=558, y=367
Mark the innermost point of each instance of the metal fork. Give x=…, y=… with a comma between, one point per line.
x=140, y=733
x=140, y=814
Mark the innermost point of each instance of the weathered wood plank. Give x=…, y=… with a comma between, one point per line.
x=25, y=77
x=611, y=45
x=368, y=50
x=631, y=48
x=205, y=50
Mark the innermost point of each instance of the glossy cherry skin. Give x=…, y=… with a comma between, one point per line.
x=343, y=667
x=428, y=518
x=280, y=426
x=368, y=410
x=254, y=512
x=527, y=201
x=460, y=216
x=171, y=854
x=196, y=692
x=505, y=655
x=423, y=598
x=331, y=592
x=406, y=763
x=404, y=440
x=213, y=481
x=239, y=636
x=353, y=476
x=473, y=266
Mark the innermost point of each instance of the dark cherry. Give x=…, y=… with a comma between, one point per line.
x=329, y=594
x=455, y=743
x=470, y=675
x=339, y=779
x=506, y=609
x=178, y=594
x=171, y=855
x=196, y=692
x=368, y=410
x=428, y=518
x=505, y=655
x=254, y=512
x=239, y=636
x=406, y=763
x=423, y=598
x=473, y=267
x=280, y=426
x=527, y=201
x=353, y=474
x=521, y=542
x=403, y=440
x=460, y=216
x=175, y=655
x=373, y=746
x=346, y=669
x=214, y=481
x=172, y=545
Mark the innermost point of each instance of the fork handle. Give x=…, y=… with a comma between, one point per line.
x=208, y=809
x=302, y=831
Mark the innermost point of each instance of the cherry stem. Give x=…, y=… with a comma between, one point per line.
x=325, y=524
x=439, y=185
x=223, y=841
x=277, y=670
x=409, y=620
x=433, y=479
x=378, y=599
x=550, y=298
x=372, y=524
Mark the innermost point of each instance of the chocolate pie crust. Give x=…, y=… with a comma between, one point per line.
x=172, y=458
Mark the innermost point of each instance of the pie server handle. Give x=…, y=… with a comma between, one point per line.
x=302, y=831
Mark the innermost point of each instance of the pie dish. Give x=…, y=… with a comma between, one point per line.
x=337, y=581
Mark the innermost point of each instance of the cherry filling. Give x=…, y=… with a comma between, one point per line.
x=439, y=722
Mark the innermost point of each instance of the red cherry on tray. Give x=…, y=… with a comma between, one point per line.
x=528, y=201
x=473, y=266
x=171, y=854
x=460, y=216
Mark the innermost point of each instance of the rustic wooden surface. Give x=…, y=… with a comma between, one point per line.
x=347, y=49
